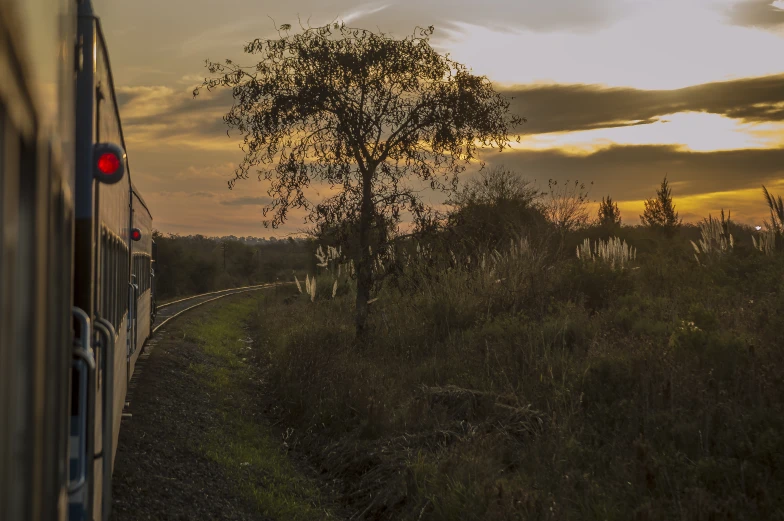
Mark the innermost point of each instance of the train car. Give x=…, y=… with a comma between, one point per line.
x=141, y=276
x=153, y=288
x=112, y=259
x=76, y=279
x=37, y=61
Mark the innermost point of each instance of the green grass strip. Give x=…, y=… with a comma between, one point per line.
x=247, y=449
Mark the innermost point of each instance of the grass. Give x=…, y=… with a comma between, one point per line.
x=244, y=445
x=555, y=389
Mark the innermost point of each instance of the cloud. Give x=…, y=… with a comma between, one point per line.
x=247, y=201
x=560, y=108
x=361, y=12
x=661, y=44
x=765, y=14
x=695, y=131
x=634, y=172
x=154, y=116
x=535, y=15
x=146, y=48
x=158, y=116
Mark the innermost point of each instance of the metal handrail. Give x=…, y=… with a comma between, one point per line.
x=84, y=362
x=106, y=330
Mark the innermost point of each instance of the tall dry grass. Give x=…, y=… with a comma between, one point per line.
x=521, y=383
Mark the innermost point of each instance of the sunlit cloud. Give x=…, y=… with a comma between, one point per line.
x=662, y=45
x=694, y=131
x=361, y=12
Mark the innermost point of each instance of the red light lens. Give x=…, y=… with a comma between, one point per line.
x=136, y=235
x=108, y=163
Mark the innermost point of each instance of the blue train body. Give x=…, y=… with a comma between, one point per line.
x=76, y=285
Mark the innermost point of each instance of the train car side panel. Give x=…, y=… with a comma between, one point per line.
x=36, y=234
x=142, y=267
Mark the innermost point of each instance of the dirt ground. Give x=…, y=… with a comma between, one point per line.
x=160, y=473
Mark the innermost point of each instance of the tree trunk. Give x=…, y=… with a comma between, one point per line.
x=364, y=260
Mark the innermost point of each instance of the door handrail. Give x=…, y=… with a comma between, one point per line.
x=84, y=363
x=106, y=331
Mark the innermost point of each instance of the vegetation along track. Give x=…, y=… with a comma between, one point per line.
x=170, y=310
x=196, y=443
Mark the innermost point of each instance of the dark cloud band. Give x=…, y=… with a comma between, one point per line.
x=560, y=108
x=631, y=172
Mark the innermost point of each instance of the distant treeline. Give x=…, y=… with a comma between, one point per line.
x=194, y=264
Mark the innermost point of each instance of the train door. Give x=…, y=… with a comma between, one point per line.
x=133, y=297
x=131, y=329
x=153, y=289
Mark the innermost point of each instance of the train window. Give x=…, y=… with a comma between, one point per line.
x=117, y=302
x=118, y=282
x=104, y=307
x=124, y=280
x=114, y=281
x=116, y=248
x=109, y=279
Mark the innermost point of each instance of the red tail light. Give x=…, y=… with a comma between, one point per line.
x=136, y=234
x=108, y=162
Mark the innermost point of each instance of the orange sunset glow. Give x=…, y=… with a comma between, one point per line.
x=616, y=92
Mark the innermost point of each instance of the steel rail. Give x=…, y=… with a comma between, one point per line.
x=161, y=306
x=226, y=293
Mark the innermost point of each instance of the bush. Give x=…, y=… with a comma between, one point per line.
x=526, y=384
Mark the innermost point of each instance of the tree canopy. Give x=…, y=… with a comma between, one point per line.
x=492, y=208
x=374, y=118
x=609, y=214
x=660, y=211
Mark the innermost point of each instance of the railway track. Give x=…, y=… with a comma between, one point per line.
x=170, y=311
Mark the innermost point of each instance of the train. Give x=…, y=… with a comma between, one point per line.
x=77, y=263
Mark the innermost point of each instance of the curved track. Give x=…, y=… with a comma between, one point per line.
x=171, y=310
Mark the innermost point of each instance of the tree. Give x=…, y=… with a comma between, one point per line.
x=565, y=205
x=364, y=114
x=609, y=214
x=492, y=208
x=660, y=211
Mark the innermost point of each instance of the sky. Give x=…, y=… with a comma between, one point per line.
x=615, y=92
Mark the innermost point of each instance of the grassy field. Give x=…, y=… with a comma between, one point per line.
x=247, y=448
x=535, y=385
